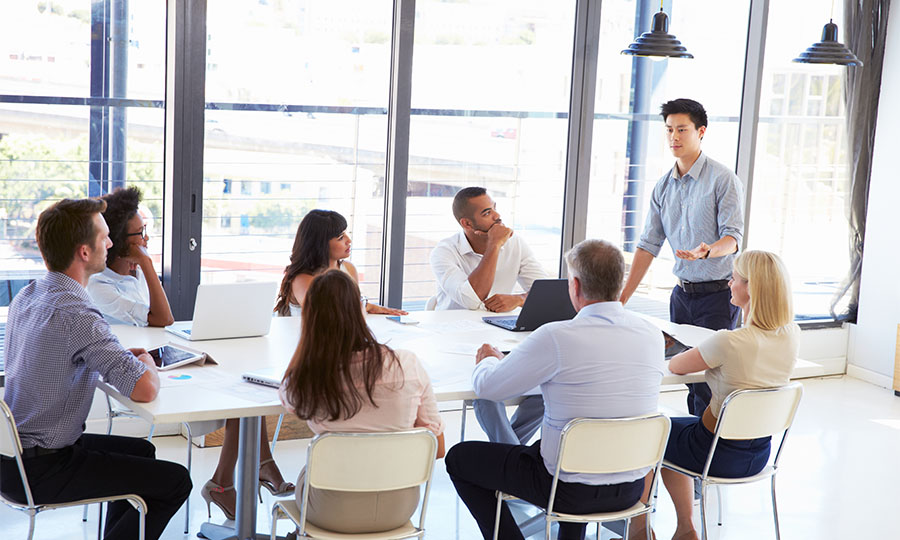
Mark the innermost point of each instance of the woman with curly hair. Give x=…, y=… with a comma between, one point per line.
x=321, y=244
x=129, y=291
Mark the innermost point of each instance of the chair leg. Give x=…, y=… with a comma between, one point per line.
x=31, y=526
x=141, y=524
x=274, y=534
x=187, y=502
x=719, y=498
x=150, y=435
x=462, y=424
x=84, y=513
x=497, y=515
x=100, y=521
x=703, y=534
x=775, y=511
x=277, y=431
x=627, y=526
x=109, y=415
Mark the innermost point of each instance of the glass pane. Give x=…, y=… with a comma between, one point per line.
x=801, y=181
x=60, y=135
x=490, y=102
x=629, y=152
x=283, y=139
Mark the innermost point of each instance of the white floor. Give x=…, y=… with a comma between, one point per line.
x=840, y=479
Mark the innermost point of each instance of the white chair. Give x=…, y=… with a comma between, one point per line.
x=363, y=462
x=603, y=446
x=11, y=446
x=745, y=415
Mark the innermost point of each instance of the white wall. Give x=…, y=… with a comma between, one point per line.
x=873, y=338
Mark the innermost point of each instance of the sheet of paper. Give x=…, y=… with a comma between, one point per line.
x=256, y=393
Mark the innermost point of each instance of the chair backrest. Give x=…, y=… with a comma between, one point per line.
x=371, y=461
x=761, y=412
x=596, y=446
x=431, y=303
x=10, y=445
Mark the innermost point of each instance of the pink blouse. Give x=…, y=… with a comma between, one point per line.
x=404, y=400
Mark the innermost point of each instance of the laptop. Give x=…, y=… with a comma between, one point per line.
x=229, y=310
x=269, y=376
x=547, y=301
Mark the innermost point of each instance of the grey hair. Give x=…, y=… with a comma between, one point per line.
x=599, y=267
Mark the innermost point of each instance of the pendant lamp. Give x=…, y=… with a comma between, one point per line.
x=658, y=42
x=829, y=50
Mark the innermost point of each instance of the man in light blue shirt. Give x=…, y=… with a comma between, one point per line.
x=698, y=206
x=604, y=363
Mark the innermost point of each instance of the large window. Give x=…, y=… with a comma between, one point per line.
x=296, y=119
x=629, y=152
x=801, y=176
x=490, y=91
x=81, y=113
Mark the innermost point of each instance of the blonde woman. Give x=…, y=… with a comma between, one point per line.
x=761, y=354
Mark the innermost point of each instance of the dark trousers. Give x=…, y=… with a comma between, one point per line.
x=103, y=465
x=709, y=310
x=479, y=469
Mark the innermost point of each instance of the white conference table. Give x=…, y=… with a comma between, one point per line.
x=445, y=342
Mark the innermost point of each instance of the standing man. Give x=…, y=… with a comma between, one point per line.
x=605, y=363
x=479, y=267
x=57, y=346
x=698, y=207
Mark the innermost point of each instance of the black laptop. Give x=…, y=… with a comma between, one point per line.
x=547, y=301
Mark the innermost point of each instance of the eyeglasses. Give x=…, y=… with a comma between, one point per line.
x=142, y=233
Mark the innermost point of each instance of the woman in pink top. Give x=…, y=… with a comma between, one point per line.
x=341, y=379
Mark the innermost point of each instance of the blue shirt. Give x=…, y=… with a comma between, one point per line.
x=704, y=205
x=57, y=345
x=604, y=363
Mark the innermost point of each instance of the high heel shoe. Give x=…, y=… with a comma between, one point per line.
x=206, y=492
x=286, y=488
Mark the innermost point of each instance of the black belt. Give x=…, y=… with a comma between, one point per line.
x=37, y=451
x=691, y=287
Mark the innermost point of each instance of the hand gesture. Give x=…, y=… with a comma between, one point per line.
x=487, y=350
x=699, y=252
x=136, y=253
x=503, y=302
x=498, y=234
x=375, y=309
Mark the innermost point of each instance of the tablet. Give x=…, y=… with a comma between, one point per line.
x=170, y=356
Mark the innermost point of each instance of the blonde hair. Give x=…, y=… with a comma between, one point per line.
x=769, y=287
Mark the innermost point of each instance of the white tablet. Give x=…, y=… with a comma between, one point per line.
x=170, y=356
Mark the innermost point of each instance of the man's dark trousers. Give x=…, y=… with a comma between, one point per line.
x=708, y=310
x=100, y=466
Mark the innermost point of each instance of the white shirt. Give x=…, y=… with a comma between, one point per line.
x=453, y=259
x=121, y=299
x=604, y=363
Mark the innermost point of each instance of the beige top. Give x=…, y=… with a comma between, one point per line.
x=748, y=357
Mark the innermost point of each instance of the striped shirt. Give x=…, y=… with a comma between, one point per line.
x=704, y=205
x=57, y=346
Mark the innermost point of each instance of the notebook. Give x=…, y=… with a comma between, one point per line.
x=229, y=310
x=547, y=301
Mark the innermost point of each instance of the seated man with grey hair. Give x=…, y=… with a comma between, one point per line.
x=604, y=363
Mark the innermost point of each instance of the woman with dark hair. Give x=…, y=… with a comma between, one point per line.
x=129, y=291
x=321, y=244
x=341, y=379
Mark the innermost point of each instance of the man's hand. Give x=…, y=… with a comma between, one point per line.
x=137, y=351
x=699, y=252
x=485, y=351
x=145, y=358
x=504, y=302
x=497, y=235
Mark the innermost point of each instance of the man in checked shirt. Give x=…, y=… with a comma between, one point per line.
x=698, y=206
x=57, y=346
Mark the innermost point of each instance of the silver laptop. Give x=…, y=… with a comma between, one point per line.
x=229, y=310
x=269, y=376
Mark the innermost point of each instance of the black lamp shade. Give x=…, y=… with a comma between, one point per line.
x=658, y=42
x=829, y=50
